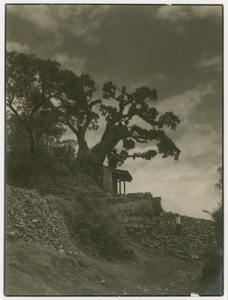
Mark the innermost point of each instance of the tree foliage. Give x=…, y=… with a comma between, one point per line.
x=120, y=115
x=212, y=271
x=64, y=149
x=217, y=214
x=31, y=85
x=43, y=99
x=76, y=108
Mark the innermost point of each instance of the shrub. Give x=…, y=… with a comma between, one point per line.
x=212, y=269
x=214, y=265
x=217, y=217
x=91, y=221
x=22, y=168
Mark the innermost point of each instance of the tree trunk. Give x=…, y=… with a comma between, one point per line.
x=31, y=143
x=83, y=148
x=111, y=137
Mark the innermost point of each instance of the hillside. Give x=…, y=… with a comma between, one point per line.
x=76, y=246
x=33, y=269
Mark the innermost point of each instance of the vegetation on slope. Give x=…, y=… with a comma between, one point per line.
x=213, y=270
x=34, y=269
x=90, y=221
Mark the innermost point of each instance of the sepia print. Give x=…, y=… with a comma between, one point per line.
x=114, y=132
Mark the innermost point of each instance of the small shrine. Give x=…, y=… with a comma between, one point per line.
x=114, y=180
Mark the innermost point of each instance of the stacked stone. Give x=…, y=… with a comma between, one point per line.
x=63, y=186
x=197, y=240
x=31, y=217
x=131, y=197
x=36, y=219
x=135, y=210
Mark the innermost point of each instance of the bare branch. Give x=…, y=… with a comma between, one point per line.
x=75, y=131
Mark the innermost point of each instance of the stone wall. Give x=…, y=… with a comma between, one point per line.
x=197, y=239
x=146, y=223
x=136, y=210
x=32, y=218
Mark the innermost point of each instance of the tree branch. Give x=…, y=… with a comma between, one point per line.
x=86, y=125
x=72, y=128
x=14, y=111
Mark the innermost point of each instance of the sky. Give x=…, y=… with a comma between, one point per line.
x=178, y=50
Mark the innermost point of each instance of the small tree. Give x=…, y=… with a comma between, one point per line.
x=217, y=215
x=31, y=85
x=64, y=149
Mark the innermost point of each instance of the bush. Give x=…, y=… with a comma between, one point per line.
x=21, y=168
x=46, y=173
x=217, y=217
x=212, y=269
x=214, y=265
x=91, y=221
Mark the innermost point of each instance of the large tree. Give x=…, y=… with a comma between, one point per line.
x=121, y=125
x=44, y=98
x=121, y=115
x=77, y=108
x=31, y=86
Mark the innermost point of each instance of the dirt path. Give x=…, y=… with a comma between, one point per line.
x=32, y=269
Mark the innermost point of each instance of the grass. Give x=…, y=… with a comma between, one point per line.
x=32, y=269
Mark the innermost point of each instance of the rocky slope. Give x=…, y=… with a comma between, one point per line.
x=34, y=218
x=197, y=240
x=39, y=249
x=146, y=223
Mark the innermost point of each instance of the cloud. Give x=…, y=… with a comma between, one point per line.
x=187, y=186
x=148, y=81
x=196, y=140
x=207, y=11
x=184, y=187
x=172, y=13
x=184, y=104
x=177, y=13
x=213, y=63
x=76, y=64
x=16, y=46
x=38, y=14
x=83, y=20
x=80, y=20
x=203, y=140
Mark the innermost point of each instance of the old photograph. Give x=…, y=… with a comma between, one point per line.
x=114, y=150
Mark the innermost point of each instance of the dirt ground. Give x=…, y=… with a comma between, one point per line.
x=33, y=269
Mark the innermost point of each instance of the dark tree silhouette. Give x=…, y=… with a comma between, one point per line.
x=121, y=117
x=81, y=114
x=45, y=98
x=76, y=108
x=31, y=85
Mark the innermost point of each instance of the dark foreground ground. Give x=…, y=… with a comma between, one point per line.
x=33, y=269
